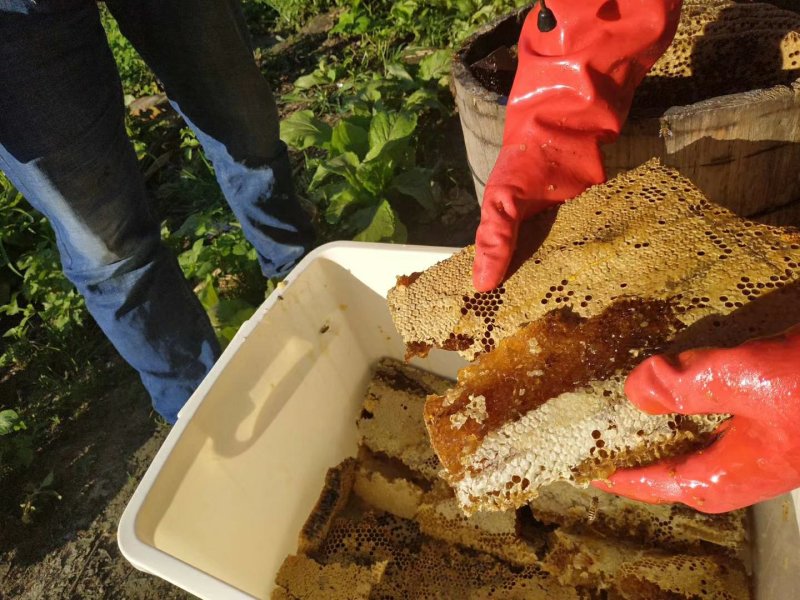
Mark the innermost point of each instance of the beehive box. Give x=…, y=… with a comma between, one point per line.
x=223, y=502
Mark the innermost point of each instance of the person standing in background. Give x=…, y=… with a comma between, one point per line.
x=63, y=144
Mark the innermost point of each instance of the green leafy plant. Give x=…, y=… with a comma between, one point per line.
x=292, y=13
x=134, y=72
x=361, y=154
x=16, y=444
x=35, y=494
x=215, y=254
x=37, y=295
x=369, y=158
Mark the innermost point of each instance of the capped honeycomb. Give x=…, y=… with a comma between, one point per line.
x=664, y=525
x=390, y=420
x=303, y=578
x=643, y=264
x=379, y=531
x=711, y=18
x=723, y=48
x=637, y=573
x=420, y=567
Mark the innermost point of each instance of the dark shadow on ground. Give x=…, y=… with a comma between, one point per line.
x=88, y=459
x=69, y=549
x=442, y=148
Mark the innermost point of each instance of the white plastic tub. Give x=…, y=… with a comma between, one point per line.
x=225, y=497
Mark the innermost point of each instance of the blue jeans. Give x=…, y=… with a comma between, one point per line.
x=63, y=144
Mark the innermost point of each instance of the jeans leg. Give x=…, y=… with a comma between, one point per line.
x=63, y=144
x=201, y=52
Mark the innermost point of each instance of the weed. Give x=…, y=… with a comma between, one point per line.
x=35, y=494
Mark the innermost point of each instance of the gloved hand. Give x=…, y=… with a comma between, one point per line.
x=757, y=456
x=573, y=90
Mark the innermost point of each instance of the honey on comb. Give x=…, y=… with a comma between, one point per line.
x=593, y=562
x=646, y=241
x=556, y=354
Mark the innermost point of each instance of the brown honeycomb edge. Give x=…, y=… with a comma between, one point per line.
x=332, y=500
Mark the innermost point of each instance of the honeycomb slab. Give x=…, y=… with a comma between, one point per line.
x=641, y=265
x=671, y=526
x=758, y=44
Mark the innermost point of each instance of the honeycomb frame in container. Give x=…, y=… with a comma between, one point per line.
x=644, y=250
x=377, y=532
x=369, y=553
x=303, y=578
x=376, y=485
x=497, y=533
x=394, y=406
x=637, y=573
x=364, y=542
x=334, y=497
x=672, y=526
x=389, y=423
x=420, y=567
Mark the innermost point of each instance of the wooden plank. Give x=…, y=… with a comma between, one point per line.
x=742, y=150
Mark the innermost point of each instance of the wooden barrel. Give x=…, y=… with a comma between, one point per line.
x=741, y=149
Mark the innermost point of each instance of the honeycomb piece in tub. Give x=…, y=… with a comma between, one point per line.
x=332, y=500
x=496, y=533
x=637, y=573
x=420, y=567
x=391, y=419
x=394, y=558
x=671, y=526
x=383, y=487
x=303, y=578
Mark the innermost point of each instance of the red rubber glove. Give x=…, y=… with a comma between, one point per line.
x=757, y=456
x=572, y=92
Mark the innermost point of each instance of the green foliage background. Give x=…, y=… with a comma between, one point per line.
x=357, y=119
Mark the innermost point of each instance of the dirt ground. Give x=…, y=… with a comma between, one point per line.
x=70, y=548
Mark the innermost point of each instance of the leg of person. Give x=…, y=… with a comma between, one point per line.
x=200, y=51
x=63, y=144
